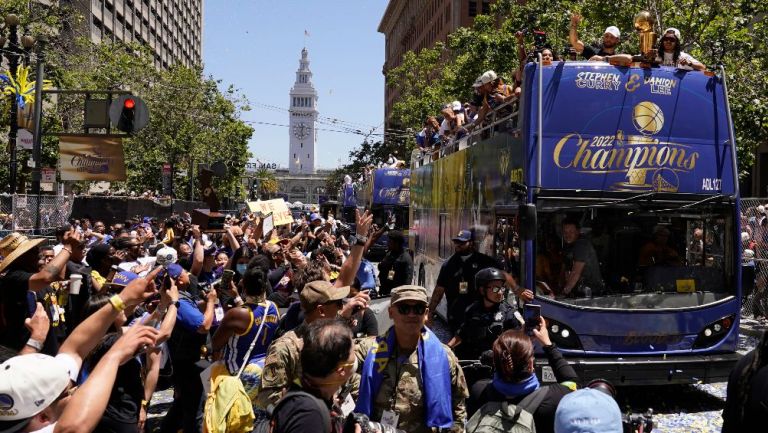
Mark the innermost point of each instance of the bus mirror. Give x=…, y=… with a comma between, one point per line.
x=527, y=214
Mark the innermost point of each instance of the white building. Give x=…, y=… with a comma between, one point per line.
x=303, y=114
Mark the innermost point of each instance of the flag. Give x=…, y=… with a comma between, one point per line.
x=306, y=33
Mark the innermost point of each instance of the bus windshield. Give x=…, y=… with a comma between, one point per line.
x=665, y=257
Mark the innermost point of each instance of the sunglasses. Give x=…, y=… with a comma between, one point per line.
x=347, y=364
x=66, y=393
x=339, y=303
x=417, y=309
x=498, y=289
x=668, y=40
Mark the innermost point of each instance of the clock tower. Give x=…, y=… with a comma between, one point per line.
x=303, y=113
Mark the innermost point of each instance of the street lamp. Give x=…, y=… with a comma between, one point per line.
x=13, y=52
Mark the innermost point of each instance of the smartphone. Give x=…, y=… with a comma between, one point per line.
x=532, y=317
x=226, y=279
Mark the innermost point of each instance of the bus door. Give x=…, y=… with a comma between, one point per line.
x=506, y=241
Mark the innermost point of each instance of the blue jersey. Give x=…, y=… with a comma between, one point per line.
x=238, y=344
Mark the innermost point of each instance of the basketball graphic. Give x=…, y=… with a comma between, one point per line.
x=648, y=118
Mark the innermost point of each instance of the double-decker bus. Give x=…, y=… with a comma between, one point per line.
x=643, y=161
x=387, y=195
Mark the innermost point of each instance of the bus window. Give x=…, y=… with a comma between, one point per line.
x=648, y=259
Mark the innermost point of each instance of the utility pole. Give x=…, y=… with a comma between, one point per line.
x=38, y=135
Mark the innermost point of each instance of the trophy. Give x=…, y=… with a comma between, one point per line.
x=209, y=220
x=644, y=22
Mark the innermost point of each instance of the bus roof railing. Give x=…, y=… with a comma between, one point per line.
x=494, y=124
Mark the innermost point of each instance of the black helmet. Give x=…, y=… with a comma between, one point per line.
x=485, y=276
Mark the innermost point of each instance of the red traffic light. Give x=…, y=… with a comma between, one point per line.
x=129, y=104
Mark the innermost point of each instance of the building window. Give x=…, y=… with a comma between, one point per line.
x=472, y=8
x=302, y=145
x=486, y=7
x=294, y=156
x=307, y=156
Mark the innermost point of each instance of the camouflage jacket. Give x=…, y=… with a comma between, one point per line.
x=408, y=402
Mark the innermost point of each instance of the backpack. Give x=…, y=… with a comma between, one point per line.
x=228, y=407
x=502, y=416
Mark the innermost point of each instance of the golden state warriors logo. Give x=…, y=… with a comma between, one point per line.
x=648, y=118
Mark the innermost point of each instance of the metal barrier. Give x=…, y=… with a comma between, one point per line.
x=54, y=211
x=754, y=284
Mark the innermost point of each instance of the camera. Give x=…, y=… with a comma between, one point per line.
x=638, y=422
x=366, y=425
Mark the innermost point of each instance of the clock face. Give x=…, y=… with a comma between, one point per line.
x=301, y=130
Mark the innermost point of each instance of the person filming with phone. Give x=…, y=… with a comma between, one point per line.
x=515, y=381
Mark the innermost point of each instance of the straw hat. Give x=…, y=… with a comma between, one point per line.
x=14, y=246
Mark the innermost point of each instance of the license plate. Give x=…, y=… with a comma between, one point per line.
x=547, y=375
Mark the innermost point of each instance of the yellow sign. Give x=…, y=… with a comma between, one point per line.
x=276, y=207
x=91, y=158
x=686, y=286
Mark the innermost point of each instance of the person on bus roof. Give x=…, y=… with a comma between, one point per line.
x=611, y=39
x=582, y=268
x=671, y=54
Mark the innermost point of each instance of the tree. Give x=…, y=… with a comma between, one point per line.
x=728, y=32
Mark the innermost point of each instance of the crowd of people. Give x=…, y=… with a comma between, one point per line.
x=91, y=325
x=494, y=99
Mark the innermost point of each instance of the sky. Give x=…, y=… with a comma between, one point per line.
x=256, y=46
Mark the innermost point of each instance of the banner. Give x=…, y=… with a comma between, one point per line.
x=91, y=158
x=276, y=207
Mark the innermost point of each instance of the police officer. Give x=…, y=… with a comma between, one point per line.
x=486, y=318
x=396, y=268
x=457, y=279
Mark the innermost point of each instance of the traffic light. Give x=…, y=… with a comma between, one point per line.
x=129, y=113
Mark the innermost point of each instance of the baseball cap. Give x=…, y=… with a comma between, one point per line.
x=674, y=31
x=613, y=30
x=408, y=293
x=28, y=385
x=456, y=106
x=588, y=411
x=175, y=270
x=320, y=292
x=166, y=256
x=463, y=236
x=122, y=278
x=314, y=216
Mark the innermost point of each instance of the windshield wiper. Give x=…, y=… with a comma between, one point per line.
x=610, y=203
x=694, y=204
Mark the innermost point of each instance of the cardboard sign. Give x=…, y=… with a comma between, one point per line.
x=276, y=207
x=269, y=224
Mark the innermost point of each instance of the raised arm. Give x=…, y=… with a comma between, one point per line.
x=573, y=34
x=88, y=334
x=198, y=253
x=87, y=405
x=53, y=271
x=350, y=266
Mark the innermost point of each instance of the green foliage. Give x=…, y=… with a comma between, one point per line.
x=731, y=32
x=191, y=120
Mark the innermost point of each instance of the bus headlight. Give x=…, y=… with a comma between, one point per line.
x=714, y=332
x=562, y=335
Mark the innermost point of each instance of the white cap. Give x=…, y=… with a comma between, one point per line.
x=456, y=106
x=674, y=31
x=487, y=77
x=29, y=384
x=613, y=30
x=166, y=256
x=744, y=236
x=749, y=254
x=761, y=209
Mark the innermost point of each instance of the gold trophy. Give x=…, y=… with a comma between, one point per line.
x=644, y=22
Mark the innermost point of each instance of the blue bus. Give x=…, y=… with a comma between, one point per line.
x=642, y=162
x=387, y=195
